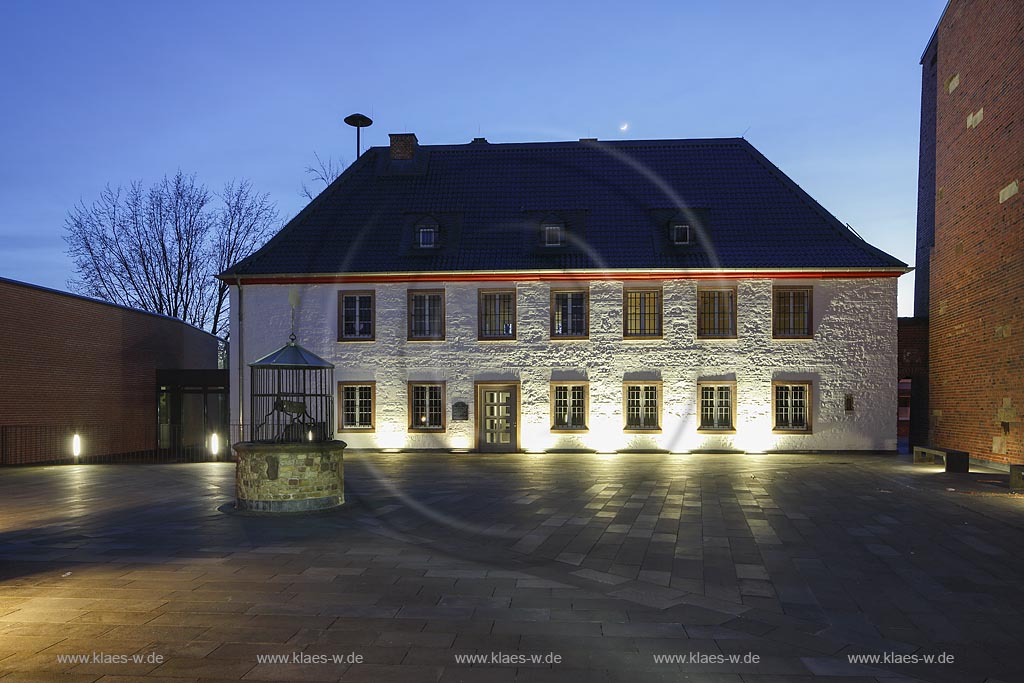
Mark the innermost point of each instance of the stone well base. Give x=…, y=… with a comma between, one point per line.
x=289, y=477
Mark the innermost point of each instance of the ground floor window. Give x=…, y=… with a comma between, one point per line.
x=716, y=405
x=792, y=406
x=357, y=403
x=642, y=406
x=569, y=406
x=426, y=407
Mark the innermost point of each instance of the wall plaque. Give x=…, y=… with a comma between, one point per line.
x=460, y=411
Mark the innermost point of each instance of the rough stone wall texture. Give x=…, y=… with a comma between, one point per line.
x=976, y=341
x=81, y=365
x=853, y=352
x=296, y=477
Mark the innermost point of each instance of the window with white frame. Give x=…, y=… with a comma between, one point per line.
x=569, y=406
x=679, y=233
x=569, y=314
x=356, y=312
x=426, y=407
x=716, y=406
x=357, y=405
x=792, y=406
x=642, y=406
x=426, y=314
x=428, y=234
x=552, y=234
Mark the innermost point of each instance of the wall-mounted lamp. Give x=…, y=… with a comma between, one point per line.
x=76, y=445
x=214, y=444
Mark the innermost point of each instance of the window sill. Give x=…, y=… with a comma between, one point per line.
x=357, y=430
x=792, y=431
x=427, y=430
x=570, y=338
x=569, y=430
x=642, y=338
x=809, y=337
x=425, y=339
x=495, y=339
x=716, y=338
x=641, y=430
x=357, y=340
x=716, y=430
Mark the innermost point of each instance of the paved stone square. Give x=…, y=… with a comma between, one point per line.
x=752, y=568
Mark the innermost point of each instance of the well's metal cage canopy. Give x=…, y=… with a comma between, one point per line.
x=292, y=396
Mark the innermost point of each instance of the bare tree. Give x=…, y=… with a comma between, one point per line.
x=158, y=249
x=324, y=172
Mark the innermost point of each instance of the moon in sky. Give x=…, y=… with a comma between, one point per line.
x=624, y=127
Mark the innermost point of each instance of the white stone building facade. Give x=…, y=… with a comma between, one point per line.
x=836, y=383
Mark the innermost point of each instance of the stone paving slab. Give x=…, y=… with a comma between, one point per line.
x=798, y=560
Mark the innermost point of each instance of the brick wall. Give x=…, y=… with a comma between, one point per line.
x=976, y=347
x=926, y=182
x=72, y=364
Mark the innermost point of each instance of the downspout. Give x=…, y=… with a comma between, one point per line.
x=241, y=364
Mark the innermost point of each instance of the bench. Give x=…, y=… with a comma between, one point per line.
x=955, y=461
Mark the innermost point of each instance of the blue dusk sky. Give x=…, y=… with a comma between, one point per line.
x=109, y=91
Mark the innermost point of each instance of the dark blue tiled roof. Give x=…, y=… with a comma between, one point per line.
x=616, y=200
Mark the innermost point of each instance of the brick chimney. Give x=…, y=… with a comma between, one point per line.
x=403, y=145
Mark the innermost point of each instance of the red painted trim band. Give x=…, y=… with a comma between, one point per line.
x=558, y=277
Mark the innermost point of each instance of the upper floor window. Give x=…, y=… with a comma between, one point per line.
x=792, y=406
x=426, y=314
x=570, y=317
x=552, y=234
x=679, y=233
x=428, y=234
x=641, y=313
x=355, y=316
x=716, y=312
x=569, y=406
x=716, y=405
x=356, y=401
x=791, y=312
x=643, y=406
x=497, y=314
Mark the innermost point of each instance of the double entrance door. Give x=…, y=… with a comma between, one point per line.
x=497, y=418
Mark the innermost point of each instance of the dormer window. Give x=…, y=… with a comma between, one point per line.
x=553, y=235
x=680, y=233
x=427, y=234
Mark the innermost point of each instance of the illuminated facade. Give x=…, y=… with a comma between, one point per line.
x=627, y=323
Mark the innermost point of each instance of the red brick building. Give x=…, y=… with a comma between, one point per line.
x=971, y=228
x=71, y=365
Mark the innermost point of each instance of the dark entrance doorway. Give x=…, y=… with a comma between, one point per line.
x=192, y=415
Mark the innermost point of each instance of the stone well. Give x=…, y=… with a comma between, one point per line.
x=289, y=477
